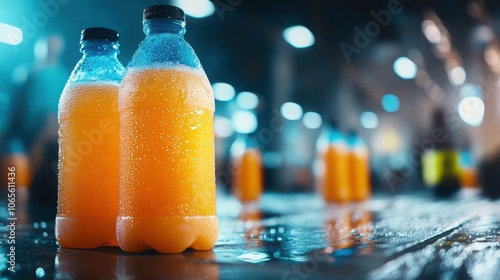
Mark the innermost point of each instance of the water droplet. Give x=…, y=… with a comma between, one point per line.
x=40, y=272
x=254, y=257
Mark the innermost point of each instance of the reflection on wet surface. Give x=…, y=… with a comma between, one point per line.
x=473, y=251
x=293, y=237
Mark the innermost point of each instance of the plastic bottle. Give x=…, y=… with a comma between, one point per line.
x=247, y=178
x=333, y=177
x=16, y=169
x=359, y=168
x=441, y=163
x=167, y=155
x=88, y=145
x=468, y=171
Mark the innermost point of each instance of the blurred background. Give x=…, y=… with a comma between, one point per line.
x=283, y=72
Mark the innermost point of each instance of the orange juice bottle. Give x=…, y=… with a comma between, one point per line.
x=359, y=169
x=16, y=162
x=88, y=145
x=167, y=155
x=247, y=178
x=468, y=177
x=333, y=174
x=468, y=172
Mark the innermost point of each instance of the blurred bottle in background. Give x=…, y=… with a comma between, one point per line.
x=486, y=139
x=468, y=170
x=246, y=170
x=33, y=118
x=15, y=156
x=441, y=163
x=359, y=168
x=332, y=176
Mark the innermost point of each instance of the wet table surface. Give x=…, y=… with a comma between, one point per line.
x=291, y=236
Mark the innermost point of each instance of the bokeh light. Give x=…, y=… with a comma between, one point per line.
x=196, y=8
x=223, y=91
x=405, y=68
x=291, y=111
x=298, y=36
x=312, y=120
x=222, y=127
x=390, y=103
x=247, y=100
x=457, y=76
x=471, y=110
x=368, y=120
x=244, y=122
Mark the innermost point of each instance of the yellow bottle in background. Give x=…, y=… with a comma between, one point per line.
x=441, y=163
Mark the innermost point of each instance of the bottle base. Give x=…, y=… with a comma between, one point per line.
x=86, y=233
x=167, y=234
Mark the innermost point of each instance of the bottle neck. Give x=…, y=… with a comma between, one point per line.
x=100, y=47
x=164, y=25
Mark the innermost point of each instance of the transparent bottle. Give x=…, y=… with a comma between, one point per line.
x=332, y=166
x=16, y=169
x=246, y=171
x=441, y=163
x=359, y=168
x=167, y=154
x=88, y=145
x=468, y=170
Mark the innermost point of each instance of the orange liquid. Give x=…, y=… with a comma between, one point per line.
x=359, y=170
x=20, y=178
x=468, y=178
x=247, y=177
x=88, y=166
x=22, y=172
x=167, y=161
x=335, y=185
